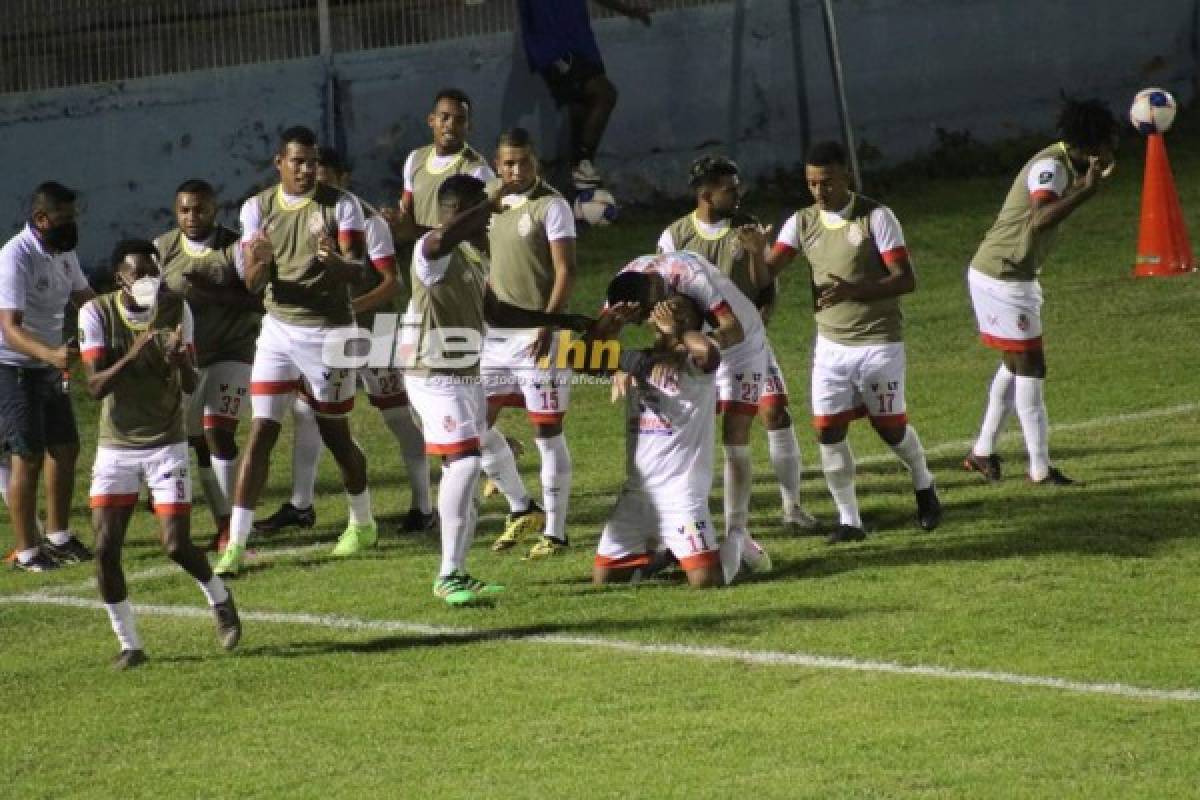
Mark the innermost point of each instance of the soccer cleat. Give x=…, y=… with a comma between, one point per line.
x=546, y=547
x=929, y=508
x=73, y=552
x=128, y=659
x=417, y=522
x=460, y=589
x=754, y=556
x=1055, y=478
x=585, y=175
x=531, y=520
x=356, y=538
x=39, y=563
x=229, y=625
x=987, y=466
x=230, y=563
x=846, y=533
x=799, y=520
x=286, y=517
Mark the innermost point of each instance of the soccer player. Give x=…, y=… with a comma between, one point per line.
x=670, y=411
x=138, y=352
x=426, y=167
x=384, y=385
x=561, y=47
x=860, y=268
x=39, y=275
x=199, y=262
x=532, y=249
x=735, y=243
x=303, y=244
x=1003, y=280
x=736, y=328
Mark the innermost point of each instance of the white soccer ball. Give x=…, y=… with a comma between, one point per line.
x=1153, y=111
x=595, y=207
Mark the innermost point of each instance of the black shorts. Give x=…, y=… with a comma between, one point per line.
x=34, y=412
x=568, y=76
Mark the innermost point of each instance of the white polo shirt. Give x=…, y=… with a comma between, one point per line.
x=39, y=284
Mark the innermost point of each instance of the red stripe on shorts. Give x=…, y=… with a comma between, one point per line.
x=272, y=387
x=172, y=509
x=1011, y=345
x=219, y=422
x=701, y=560
x=623, y=562
x=113, y=500
x=451, y=449
x=822, y=421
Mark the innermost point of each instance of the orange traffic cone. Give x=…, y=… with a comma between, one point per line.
x=1163, y=246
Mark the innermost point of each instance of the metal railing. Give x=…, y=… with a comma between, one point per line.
x=49, y=44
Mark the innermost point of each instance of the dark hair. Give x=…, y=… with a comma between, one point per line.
x=515, y=137
x=457, y=95
x=1086, y=123
x=132, y=247
x=196, y=186
x=826, y=154
x=330, y=159
x=630, y=287
x=297, y=134
x=51, y=195
x=457, y=189
x=707, y=170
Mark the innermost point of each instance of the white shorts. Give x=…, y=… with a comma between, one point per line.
x=290, y=358
x=774, y=390
x=1009, y=313
x=384, y=387
x=220, y=397
x=118, y=474
x=740, y=379
x=849, y=382
x=513, y=379
x=452, y=410
x=637, y=524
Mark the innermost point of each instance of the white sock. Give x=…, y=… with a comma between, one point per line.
x=556, y=483
x=837, y=460
x=226, y=474
x=306, y=454
x=25, y=556
x=123, y=624
x=1000, y=405
x=1035, y=424
x=912, y=454
x=214, y=590
x=500, y=465
x=5, y=474
x=59, y=537
x=241, y=522
x=785, y=458
x=217, y=504
x=731, y=557
x=738, y=484
x=456, y=501
x=360, y=508
x=412, y=447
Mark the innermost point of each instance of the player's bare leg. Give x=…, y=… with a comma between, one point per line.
x=784, y=451
x=906, y=445
x=361, y=532
x=218, y=500
x=176, y=532
x=109, y=525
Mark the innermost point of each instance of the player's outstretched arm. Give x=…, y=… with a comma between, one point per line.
x=440, y=241
x=1048, y=213
x=100, y=379
x=505, y=315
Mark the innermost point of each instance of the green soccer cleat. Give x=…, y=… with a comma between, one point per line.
x=355, y=539
x=460, y=589
x=231, y=560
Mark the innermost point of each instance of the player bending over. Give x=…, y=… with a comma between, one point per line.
x=137, y=345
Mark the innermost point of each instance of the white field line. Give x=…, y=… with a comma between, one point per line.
x=961, y=445
x=150, y=573
x=758, y=657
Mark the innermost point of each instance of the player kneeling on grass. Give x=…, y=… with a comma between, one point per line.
x=137, y=345
x=670, y=400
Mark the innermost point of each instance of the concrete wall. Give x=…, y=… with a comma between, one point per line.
x=993, y=67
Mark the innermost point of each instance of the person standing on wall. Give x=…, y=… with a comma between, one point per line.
x=39, y=275
x=561, y=47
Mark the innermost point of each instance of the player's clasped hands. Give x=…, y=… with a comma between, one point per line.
x=175, y=348
x=837, y=292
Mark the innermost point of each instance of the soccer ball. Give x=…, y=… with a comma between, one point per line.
x=1153, y=111
x=595, y=207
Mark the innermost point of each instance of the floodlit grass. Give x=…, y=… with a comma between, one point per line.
x=1094, y=584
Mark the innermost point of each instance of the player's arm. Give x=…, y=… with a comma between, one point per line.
x=258, y=254
x=345, y=257
x=1050, y=207
x=400, y=219
x=500, y=314
x=440, y=241
x=383, y=294
x=98, y=365
x=786, y=246
x=729, y=331
x=753, y=239
x=898, y=277
x=180, y=351
x=560, y=232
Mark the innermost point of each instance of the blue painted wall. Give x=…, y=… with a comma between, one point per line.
x=993, y=67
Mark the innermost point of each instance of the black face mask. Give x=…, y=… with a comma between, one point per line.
x=62, y=238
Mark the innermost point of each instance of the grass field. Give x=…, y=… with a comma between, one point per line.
x=1041, y=643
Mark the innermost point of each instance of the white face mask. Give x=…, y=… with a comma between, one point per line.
x=145, y=291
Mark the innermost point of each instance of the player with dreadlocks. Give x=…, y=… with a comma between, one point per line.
x=1003, y=280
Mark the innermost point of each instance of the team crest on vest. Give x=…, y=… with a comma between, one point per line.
x=525, y=224
x=316, y=223
x=854, y=235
